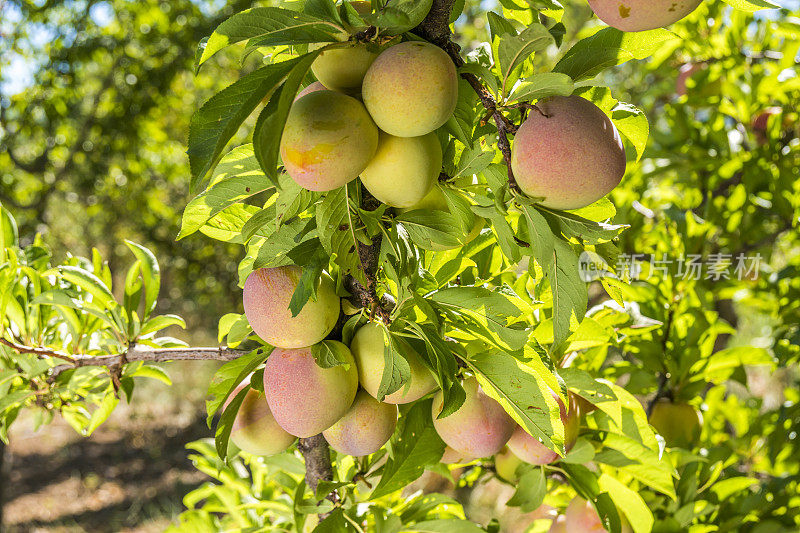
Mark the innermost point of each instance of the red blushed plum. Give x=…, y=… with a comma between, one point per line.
x=581, y=515
x=559, y=525
x=366, y=427
x=570, y=154
x=529, y=449
x=267, y=293
x=479, y=428
x=411, y=89
x=328, y=140
x=305, y=398
x=453, y=457
x=310, y=88
x=254, y=428
x=641, y=15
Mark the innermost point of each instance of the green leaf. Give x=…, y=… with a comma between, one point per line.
x=641, y=462
x=90, y=283
x=269, y=26
x=335, y=223
x=329, y=354
x=396, y=370
x=444, y=525
x=414, y=446
x=229, y=376
x=570, y=296
x=223, y=432
x=237, y=177
x=228, y=225
x=431, y=229
x=101, y=414
x=399, y=16
x=609, y=47
x=751, y=6
x=513, y=50
x=151, y=275
x=271, y=122
x=584, y=230
x=531, y=490
x=632, y=123
x=541, y=86
x=629, y=502
x=157, y=323
x=307, y=284
x=524, y=393
x=152, y=372
x=213, y=125
x=473, y=160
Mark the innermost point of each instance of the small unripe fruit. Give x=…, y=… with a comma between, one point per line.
x=328, y=140
x=404, y=169
x=505, y=464
x=411, y=89
x=310, y=88
x=570, y=153
x=641, y=15
x=266, y=297
x=529, y=449
x=305, y=398
x=368, y=348
x=342, y=69
x=479, y=428
x=254, y=428
x=366, y=427
x=679, y=423
x=435, y=199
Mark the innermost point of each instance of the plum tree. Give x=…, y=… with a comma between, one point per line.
x=266, y=296
x=679, y=423
x=365, y=427
x=435, y=199
x=367, y=347
x=343, y=69
x=479, y=428
x=505, y=464
x=254, y=429
x=305, y=398
x=411, y=89
x=641, y=15
x=569, y=153
x=328, y=140
x=404, y=169
x=529, y=449
x=310, y=88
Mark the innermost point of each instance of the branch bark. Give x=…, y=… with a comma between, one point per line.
x=436, y=29
x=317, y=456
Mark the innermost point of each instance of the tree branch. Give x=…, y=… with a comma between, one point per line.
x=436, y=29
x=317, y=456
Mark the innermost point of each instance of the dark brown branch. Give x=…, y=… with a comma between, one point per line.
x=366, y=295
x=317, y=456
x=436, y=29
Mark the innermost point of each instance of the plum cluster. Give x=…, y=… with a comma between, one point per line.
x=302, y=399
x=374, y=115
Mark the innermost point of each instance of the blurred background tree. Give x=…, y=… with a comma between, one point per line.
x=95, y=100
